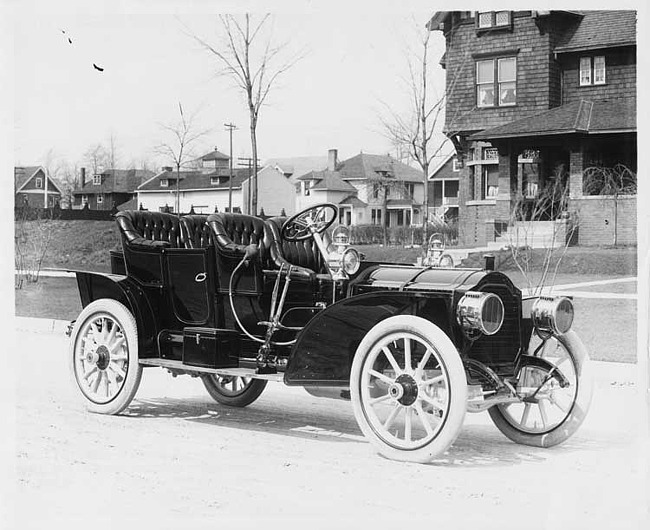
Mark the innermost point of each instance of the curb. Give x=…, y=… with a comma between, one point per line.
x=41, y=325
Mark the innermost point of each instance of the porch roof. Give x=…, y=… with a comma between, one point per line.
x=586, y=117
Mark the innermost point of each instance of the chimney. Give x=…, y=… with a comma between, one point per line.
x=83, y=177
x=332, y=155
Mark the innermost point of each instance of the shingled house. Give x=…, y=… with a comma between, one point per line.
x=534, y=99
x=108, y=189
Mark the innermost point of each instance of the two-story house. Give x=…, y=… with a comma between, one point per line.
x=363, y=187
x=204, y=190
x=33, y=188
x=534, y=98
x=108, y=189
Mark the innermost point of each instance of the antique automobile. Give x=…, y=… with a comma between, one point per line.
x=436, y=255
x=239, y=301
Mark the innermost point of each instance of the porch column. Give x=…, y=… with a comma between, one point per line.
x=576, y=167
x=507, y=177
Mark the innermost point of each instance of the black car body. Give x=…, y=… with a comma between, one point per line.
x=240, y=301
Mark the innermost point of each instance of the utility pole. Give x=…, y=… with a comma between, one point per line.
x=230, y=127
x=248, y=161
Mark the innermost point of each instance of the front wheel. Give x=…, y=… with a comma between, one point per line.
x=553, y=407
x=104, y=356
x=408, y=389
x=233, y=391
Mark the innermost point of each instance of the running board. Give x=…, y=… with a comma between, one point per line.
x=240, y=372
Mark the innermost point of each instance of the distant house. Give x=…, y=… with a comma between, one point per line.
x=109, y=188
x=276, y=183
x=33, y=188
x=362, y=186
x=200, y=191
x=443, y=188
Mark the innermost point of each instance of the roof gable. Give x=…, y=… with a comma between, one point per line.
x=367, y=166
x=193, y=180
x=22, y=174
x=116, y=181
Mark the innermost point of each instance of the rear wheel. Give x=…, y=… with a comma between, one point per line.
x=555, y=406
x=233, y=391
x=408, y=389
x=104, y=356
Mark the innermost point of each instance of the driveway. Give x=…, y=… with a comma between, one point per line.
x=177, y=460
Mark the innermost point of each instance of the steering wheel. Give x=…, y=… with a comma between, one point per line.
x=313, y=220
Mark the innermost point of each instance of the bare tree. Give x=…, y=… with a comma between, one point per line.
x=182, y=137
x=112, y=152
x=250, y=58
x=417, y=131
x=96, y=158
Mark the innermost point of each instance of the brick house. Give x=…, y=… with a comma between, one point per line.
x=360, y=185
x=33, y=188
x=109, y=188
x=534, y=99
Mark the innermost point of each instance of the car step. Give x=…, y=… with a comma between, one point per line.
x=241, y=372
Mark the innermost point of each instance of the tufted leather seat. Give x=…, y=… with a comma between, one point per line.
x=233, y=232
x=304, y=254
x=148, y=229
x=195, y=232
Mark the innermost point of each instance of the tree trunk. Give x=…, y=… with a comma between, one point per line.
x=384, y=216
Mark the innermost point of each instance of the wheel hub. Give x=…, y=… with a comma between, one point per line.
x=404, y=390
x=101, y=357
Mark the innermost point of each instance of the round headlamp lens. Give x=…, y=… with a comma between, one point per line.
x=483, y=312
x=351, y=261
x=553, y=315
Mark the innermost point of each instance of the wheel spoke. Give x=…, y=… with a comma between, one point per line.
x=407, y=424
x=98, y=380
x=111, y=335
x=90, y=372
x=112, y=379
x=116, y=369
x=379, y=399
x=525, y=414
x=391, y=360
x=423, y=362
x=392, y=416
x=542, y=412
x=381, y=376
x=407, y=355
x=435, y=403
x=118, y=343
x=563, y=407
x=106, y=384
x=432, y=381
x=424, y=420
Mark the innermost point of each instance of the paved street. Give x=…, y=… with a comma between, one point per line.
x=179, y=460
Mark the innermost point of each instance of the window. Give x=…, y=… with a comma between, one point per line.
x=305, y=188
x=400, y=217
x=100, y=199
x=97, y=180
x=490, y=182
x=409, y=187
x=493, y=19
x=164, y=183
x=375, y=191
x=39, y=182
x=592, y=70
x=214, y=181
x=375, y=215
x=84, y=199
x=496, y=82
x=455, y=166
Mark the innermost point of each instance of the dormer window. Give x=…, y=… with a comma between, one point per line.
x=592, y=70
x=164, y=183
x=97, y=180
x=493, y=20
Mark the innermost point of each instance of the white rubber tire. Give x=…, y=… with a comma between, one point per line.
x=117, y=368
x=576, y=413
x=453, y=375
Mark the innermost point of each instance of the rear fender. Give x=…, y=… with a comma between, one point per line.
x=324, y=349
x=94, y=285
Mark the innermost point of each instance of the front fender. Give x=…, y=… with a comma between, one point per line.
x=324, y=349
x=95, y=285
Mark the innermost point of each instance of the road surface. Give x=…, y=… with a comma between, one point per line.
x=178, y=460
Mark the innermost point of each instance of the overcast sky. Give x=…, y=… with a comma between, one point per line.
x=354, y=63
